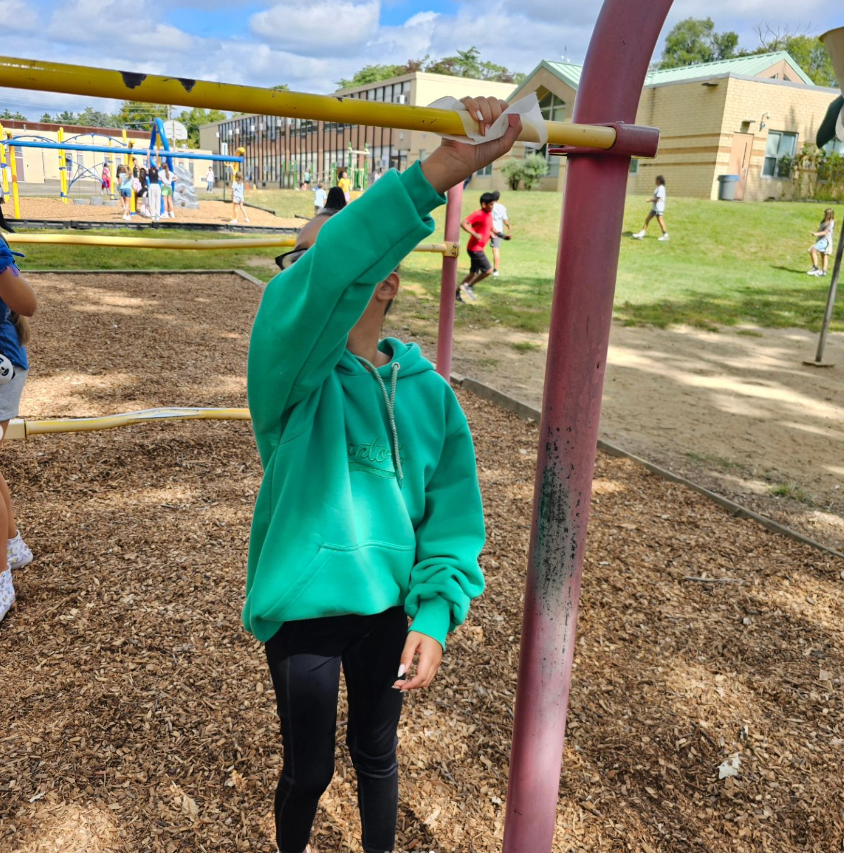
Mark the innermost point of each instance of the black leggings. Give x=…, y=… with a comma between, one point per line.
x=305, y=658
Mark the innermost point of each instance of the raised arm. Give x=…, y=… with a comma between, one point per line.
x=308, y=310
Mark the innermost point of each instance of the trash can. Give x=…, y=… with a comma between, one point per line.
x=727, y=187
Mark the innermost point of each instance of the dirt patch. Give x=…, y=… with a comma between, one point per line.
x=215, y=212
x=736, y=411
x=138, y=716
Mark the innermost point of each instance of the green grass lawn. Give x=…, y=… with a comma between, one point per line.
x=726, y=264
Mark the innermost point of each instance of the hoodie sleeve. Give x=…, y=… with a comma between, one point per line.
x=449, y=540
x=308, y=310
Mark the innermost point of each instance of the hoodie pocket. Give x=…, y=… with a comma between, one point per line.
x=365, y=578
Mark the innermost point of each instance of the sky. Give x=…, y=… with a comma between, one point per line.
x=311, y=44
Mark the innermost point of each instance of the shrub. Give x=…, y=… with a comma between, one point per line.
x=512, y=171
x=534, y=169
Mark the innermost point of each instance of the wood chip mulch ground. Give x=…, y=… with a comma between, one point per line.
x=216, y=212
x=136, y=714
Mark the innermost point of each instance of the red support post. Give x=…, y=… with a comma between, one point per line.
x=448, y=292
x=587, y=263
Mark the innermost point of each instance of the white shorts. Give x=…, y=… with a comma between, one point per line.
x=10, y=395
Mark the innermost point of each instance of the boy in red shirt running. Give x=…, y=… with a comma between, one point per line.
x=479, y=225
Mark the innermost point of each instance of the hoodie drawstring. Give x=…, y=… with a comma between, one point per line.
x=390, y=402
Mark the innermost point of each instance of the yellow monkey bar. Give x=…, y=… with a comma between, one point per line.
x=448, y=249
x=125, y=85
x=20, y=429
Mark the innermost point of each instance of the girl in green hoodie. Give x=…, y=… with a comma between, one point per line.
x=370, y=510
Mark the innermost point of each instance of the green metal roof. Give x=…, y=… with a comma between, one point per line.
x=749, y=66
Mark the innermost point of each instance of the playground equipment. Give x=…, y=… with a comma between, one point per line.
x=600, y=142
x=184, y=193
x=834, y=43
x=449, y=249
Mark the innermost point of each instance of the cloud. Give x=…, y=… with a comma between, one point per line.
x=321, y=28
x=18, y=16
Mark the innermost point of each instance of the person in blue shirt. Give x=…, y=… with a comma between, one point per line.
x=17, y=302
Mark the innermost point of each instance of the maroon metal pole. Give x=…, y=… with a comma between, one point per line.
x=587, y=262
x=448, y=292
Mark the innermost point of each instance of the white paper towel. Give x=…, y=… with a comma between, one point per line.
x=527, y=108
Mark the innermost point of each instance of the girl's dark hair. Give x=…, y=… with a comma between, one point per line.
x=3, y=224
x=660, y=180
x=21, y=325
x=336, y=199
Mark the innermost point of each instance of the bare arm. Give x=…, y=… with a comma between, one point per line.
x=467, y=227
x=17, y=293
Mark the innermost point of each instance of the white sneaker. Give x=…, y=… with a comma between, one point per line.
x=233, y=222
x=172, y=214
x=662, y=239
x=639, y=235
x=7, y=593
x=247, y=220
x=814, y=271
x=495, y=273
x=19, y=553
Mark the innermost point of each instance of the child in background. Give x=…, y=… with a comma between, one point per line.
x=479, y=226
x=823, y=245
x=105, y=180
x=126, y=190
x=335, y=200
x=209, y=179
x=499, y=220
x=237, y=198
x=17, y=301
x=319, y=199
x=657, y=202
x=346, y=185
x=370, y=510
x=154, y=192
x=166, y=177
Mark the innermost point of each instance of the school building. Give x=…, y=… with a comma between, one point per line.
x=38, y=168
x=746, y=116
x=280, y=150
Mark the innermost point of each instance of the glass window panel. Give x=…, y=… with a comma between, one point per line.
x=770, y=166
x=772, y=144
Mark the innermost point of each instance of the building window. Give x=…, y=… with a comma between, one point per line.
x=485, y=172
x=422, y=154
x=552, y=108
x=834, y=146
x=634, y=166
x=779, y=154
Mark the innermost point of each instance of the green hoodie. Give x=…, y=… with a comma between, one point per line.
x=340, y=525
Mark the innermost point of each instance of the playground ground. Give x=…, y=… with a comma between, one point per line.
x=138, y=716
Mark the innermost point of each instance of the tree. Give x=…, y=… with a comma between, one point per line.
x=282, y=87
x=370, y=74
x=12, y=116
x=46, y=118
x=193, y=119
x=467, y=63
x=694, y=40
x=137, y=115
x=807, y=51
x=89, y=117
x=512, y=171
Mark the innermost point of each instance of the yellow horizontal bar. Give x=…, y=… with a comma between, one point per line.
x=151, y=242
x=124, y=85
x=73, y=239
x=21, y=429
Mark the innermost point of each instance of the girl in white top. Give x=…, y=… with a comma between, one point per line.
x=657, y=202
x=237, y=198
x=823, y=245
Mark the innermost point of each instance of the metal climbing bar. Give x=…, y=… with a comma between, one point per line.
x=178, y=154
x=448, y=249
x=129, y=85
x=624, y=39
x=20, y=429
